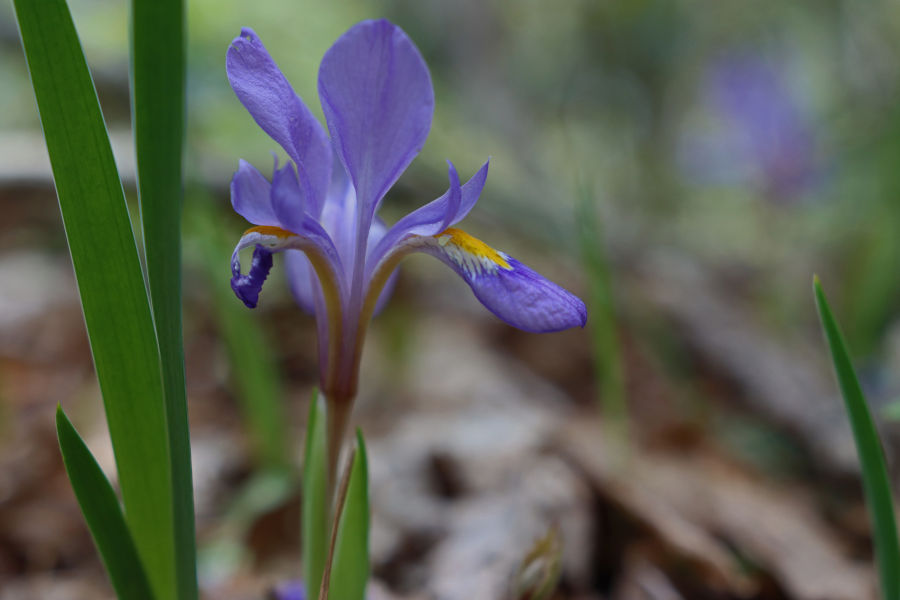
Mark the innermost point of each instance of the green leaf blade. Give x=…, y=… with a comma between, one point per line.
x=350, y=571
x=315, y=521
x=104, y=517
x=110, y=282
x=158, y=105
x=876, y=482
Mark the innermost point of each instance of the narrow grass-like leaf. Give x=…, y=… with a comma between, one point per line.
x=114, y=299
x=876, y=483
x=602, y=326
x=315, y=521
x=158, y=105
x=103, y=514
x=252, y=361
x=350, y=570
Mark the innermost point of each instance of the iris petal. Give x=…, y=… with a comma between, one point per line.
x=378, y=101
x=376, y=234
x=312, y=240
x=250, y=195
x=300, y=279
x=302, y=284
x=247, y=287
x=511, y=290
x=524, y=299
x=265, y=92
x=288, y=200
x=437, y=215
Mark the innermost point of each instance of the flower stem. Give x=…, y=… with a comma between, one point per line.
x=339, y=508
x=337, y=417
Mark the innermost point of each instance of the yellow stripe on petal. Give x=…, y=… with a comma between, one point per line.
x=470, y=253
x=270, y=230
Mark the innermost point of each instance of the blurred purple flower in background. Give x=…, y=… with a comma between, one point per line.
x=289, y=590
x=320, y=208
x=765, y=137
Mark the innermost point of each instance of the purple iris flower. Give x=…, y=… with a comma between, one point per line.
x=320, y=207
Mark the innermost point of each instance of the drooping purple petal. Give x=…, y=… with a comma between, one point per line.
x=523, y=298
x=265, y=92
x=250, y=195
x=514, y=292
x=378, y=101
x=437, y=215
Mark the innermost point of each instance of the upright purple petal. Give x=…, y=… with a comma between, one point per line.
x=250, y=195
x=378, y=101
x=265, y=92
x=437, y=215
x=289, y=202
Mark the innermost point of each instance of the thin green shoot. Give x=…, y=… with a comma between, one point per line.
x=602, y=326
x=876, y=483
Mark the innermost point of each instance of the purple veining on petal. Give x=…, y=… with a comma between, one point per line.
x=247, y=287
x=378, y=101
x=523, y=298
x=517, y=294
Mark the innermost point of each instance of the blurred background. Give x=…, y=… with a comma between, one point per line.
x=684, y=167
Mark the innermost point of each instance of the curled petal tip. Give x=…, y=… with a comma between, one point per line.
x=247, y=287
x=247, y=35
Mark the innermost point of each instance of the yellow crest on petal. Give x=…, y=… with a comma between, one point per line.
x=471, y=253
